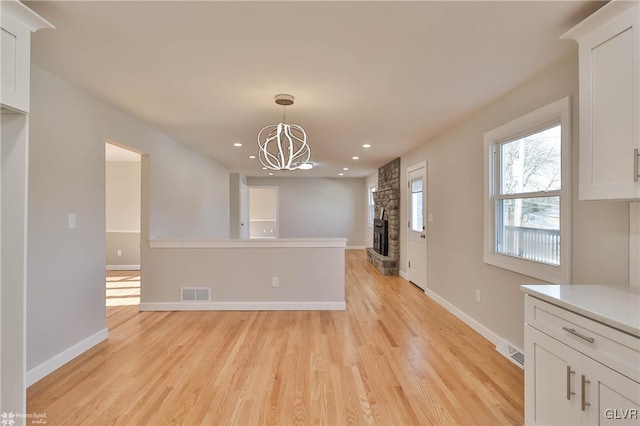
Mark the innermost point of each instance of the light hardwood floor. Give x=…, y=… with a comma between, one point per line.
x=394, y=357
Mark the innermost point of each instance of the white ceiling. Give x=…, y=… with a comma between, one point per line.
x=392, y=74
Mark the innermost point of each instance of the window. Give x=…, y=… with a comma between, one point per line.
x=417, y=223
x=527, y=194
x=372, y=190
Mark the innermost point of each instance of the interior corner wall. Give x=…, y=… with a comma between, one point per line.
x=319, y=207
x=455, y=268
x=188, y=198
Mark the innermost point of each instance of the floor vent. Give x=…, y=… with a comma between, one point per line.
x=512, y=353
x=193, y=294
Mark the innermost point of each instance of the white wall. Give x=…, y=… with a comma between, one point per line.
x=122, y=182
x=122, y=196
x=263, y=212
x=235, y=181
x=455, y=197
x=319, y=207
x=188, y=197
x=239, y=274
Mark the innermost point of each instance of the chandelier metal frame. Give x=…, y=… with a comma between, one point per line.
x=283, y=146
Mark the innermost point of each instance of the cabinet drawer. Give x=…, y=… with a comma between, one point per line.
x=609, y=346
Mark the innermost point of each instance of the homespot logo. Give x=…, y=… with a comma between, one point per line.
x=9, y=419
x=621, y=413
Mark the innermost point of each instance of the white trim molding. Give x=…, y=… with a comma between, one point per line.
x=478, y=327
x=57, y=361
x=121, y=231
x=556, y=112
x=243, y=306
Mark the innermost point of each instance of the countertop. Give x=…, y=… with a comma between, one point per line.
x=613, y=306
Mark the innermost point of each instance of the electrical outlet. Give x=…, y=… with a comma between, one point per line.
x=477, y=295
x=119, y=252
x=275, y=282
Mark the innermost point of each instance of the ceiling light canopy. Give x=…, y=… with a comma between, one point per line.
x=283, y=146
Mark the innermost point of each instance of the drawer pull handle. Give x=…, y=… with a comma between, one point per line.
x=569, y=373
x=580, y=335
x=583, y=384
x=636, y=155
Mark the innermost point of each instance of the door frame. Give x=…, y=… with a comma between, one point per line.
x=417, y=166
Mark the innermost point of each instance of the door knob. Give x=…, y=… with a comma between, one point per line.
x=423, y=236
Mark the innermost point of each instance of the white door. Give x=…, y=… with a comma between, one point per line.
x=244, y=211
x=417, y=266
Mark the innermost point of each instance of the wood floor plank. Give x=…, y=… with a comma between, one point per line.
x=393, y=357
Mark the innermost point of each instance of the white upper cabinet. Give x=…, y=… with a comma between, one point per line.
x=18, y=22
x=609, y=74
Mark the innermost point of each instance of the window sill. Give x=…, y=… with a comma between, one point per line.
x=541, y=271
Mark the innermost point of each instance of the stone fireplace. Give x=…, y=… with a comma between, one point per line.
x=387, y=207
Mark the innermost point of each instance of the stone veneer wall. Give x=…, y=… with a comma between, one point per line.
x=387, y=196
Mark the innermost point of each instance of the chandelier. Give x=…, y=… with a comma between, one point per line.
x=284, y=146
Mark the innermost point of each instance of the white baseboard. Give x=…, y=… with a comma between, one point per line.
x=356, y=247
x=404, y=275
x=243, y=306
x=123, y=267
x=481, y=329
x=57, y=361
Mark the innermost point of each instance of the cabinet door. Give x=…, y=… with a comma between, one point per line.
x=609, y=109
x=16, y=60
x=551, y=379
x=613, y=399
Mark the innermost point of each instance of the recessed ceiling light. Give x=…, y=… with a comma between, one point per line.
x=237, y=144
x=253, y=157
x=264, y=168
x=340, y=174
x=366, y=145
x=270, y=173
x=345, y=168
x=306, y=166
x=355, y=158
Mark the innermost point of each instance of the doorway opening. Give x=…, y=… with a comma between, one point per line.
x=263, y=212
x=417, y=241
x=123, y=177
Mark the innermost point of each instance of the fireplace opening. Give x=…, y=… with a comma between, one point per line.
x=381, y=236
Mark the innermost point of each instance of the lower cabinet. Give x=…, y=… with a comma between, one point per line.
x=613, y=398
x=579, y=370
x=565, y=387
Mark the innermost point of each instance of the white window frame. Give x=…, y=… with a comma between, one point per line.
x=370, y=205
x=559, y=111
